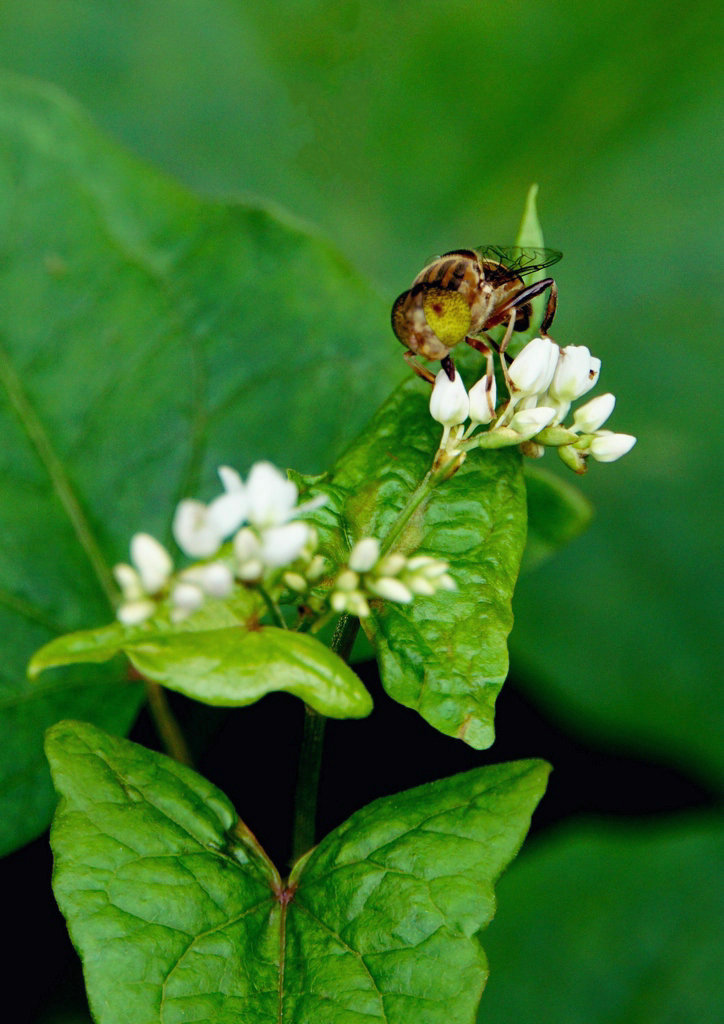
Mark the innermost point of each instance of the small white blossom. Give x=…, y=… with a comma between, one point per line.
x=272, y=498
x=528, y=422
x=187, y=596
x=449, y=402
x=152, y=561
x=231, y=480
x=132, y=613
x=532, y=369
x=392, y=564
x=607, y=446
x=391, y=589
x=575, y=374
x=217, y=579
x=364, y=554
x=483, y=396
x=226, y=513
x=193, y=531
x=591, y=416
x=129, y=581
x=281, y=545
x=247, y=553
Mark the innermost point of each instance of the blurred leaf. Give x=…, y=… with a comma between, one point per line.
x=147, y=338
x=557, y=513
x=445, y=656
x=177, y=912
x=611, y=924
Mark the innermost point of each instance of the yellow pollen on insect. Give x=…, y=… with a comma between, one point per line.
x=447, y=314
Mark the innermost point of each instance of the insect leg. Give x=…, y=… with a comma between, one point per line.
x=550, y=308
x=524, y=296
x=448, y=366
x=478, y=344
x=421, y=371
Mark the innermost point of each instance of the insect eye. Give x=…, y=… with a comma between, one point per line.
x=447, y=314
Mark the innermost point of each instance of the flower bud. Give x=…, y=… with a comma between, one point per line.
x=482, y=400
x=529, y=422
x=391, y=589
x=532, y=369
x=132, y=613
x=216, y=579
x=152, y=561
x=449, y=402
x=364, y=554
x=589, y=417
x=129, y=581
x=607, y=446
x=187, y=597
x=576, y=373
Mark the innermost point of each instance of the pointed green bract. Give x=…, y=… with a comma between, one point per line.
x=179, y=916
x=147, y=337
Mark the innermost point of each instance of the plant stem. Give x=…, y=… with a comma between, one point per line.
x=310, y=757
x=166, y=724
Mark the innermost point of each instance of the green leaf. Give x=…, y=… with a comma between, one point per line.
x=445, y=656
x=178, y=915
x=231, y=667
x=611, y=924
x=558, y=512
x=147, y=338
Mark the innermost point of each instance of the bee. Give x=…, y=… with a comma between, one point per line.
x=462, y=294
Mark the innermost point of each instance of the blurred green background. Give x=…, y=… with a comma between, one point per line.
x=399, y=130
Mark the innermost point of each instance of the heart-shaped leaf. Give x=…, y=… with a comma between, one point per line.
x=147, y=338
x=179, y=916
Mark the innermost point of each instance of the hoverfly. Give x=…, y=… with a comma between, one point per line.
x=462, y=294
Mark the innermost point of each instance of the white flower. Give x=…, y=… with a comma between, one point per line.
x=226, y=513
x=589, y=417
x=281, y=545
x=272, y=498
x=195, y=533
x=152, y=561
x=482, y=400
x=449, y=402
x=607, y=446
x=576, y=373
x=532, y=369
x=528, y=422
x=230, y=479
x=364, y=554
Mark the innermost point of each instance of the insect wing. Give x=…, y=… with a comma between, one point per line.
x=520, y=260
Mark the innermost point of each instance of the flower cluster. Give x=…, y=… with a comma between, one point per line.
x=393, y=576
x=252, y=534
x=542, y=381
x=261, y=517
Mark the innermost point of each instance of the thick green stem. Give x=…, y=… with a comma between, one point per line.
x=310, y=757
